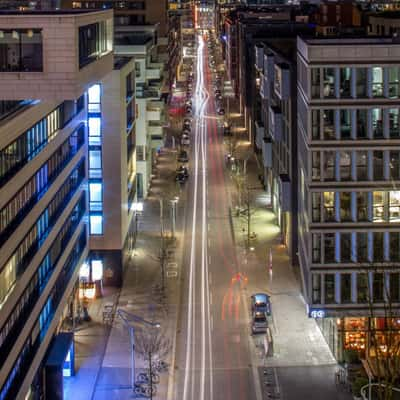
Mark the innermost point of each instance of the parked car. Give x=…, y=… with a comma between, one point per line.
x=183, y=156
x=179, y=177
x=185, y=141
x=183, y=170
x=260, y=302
x=220, y=111
x=186, y=131
x=259, y=322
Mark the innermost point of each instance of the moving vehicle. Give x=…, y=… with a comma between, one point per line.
x=260, y=302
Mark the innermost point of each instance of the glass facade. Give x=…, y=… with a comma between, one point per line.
x=95, y=161
x=355, y=82
x=18, y=153
x=29, y=349
x=34, y=239
x=22, y=203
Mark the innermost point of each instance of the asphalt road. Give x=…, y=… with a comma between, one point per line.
x=213, y=357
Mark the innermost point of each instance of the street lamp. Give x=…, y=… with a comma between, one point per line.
x=130, y=319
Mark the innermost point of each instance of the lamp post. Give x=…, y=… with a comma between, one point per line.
x=130, y=319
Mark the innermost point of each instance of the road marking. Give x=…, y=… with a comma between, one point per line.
x=212, y=323
x=210, y=298
x=209, y=259
x=209, y=228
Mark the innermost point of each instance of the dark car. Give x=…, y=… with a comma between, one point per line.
x=183, y=156
x=260, y=303
x=183, y=171
x=221, y=111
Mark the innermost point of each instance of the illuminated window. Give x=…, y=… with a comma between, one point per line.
x=95, y=196
x=379, y=206
x=96, y=224
x=394, y=206
x=94, y=126
x=329, y=206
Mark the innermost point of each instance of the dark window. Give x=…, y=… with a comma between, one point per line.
x=345, y=288
x=329, y=288
x=21, y=50
x=362, y=288
x=378, y=286
x=329, y=243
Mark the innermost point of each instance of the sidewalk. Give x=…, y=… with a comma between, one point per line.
x=103, y=351
x=297, y=339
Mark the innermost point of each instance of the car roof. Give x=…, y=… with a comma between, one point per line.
x=260, y=297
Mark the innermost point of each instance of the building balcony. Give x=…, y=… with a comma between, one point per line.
x=275, y=124
x=269, y=61
x=260, y=133
x=282, y=81
x=155, y=111
x=153, y=73
x=155, y=129
x=285, y=190
x=267, y=152
x=259, y=54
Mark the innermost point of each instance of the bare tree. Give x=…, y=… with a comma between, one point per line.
x=385, y=342
x=151, y=345
x=245, y=195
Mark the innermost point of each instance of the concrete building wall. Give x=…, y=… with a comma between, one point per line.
x=61, y=78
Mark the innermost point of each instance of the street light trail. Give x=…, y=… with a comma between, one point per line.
x=200, y=150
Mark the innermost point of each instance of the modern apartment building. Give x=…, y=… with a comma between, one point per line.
x=275, y=120
x=150, y=107
x=48, y=62
x=349, y=175
x=112, y=171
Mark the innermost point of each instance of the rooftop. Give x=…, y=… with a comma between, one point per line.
x=48, y=12
x=350, y=41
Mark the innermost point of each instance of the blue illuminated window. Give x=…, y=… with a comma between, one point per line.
x=95, y=196
x=96, y=224
x=95, y=164
x=94, y=98
x=94, y=126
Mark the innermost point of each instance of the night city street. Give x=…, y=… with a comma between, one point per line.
x=199, y=200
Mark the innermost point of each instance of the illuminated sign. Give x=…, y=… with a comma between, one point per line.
x=317, y=313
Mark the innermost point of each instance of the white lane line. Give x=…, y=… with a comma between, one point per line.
x=209, y=259
x=191, y=295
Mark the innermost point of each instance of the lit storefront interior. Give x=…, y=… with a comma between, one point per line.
x=361, y=334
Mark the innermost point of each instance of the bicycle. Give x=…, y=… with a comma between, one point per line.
x=144, y=377
x=159, y=366
x=144, y=389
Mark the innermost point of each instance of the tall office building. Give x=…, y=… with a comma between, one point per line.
x=349, y=176
x=48, y=63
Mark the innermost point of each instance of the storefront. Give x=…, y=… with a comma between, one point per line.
x=361, y=334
